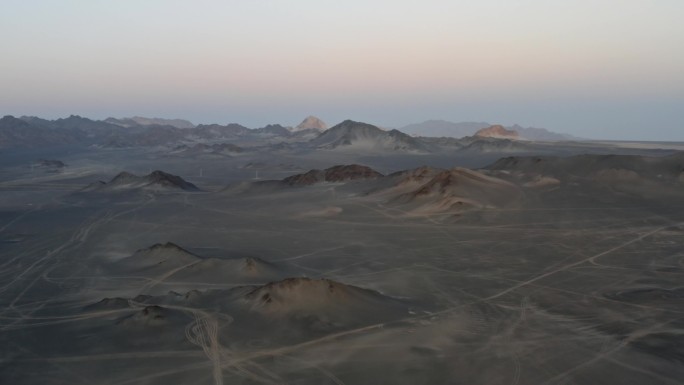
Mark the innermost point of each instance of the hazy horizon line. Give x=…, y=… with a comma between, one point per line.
x=381, y=126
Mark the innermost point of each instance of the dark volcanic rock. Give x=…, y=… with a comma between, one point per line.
x=350, y=172
x=164, y=179
x=338, y=173
x=308, y=178
x=156, y=180
x=168, y=246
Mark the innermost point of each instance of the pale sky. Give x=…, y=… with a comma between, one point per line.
x=592, y=68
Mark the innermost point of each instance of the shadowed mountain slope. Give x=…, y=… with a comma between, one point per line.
x=338, y=173
x=156, y=181
x=356, y=135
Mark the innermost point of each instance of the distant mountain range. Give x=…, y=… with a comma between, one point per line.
x=443, y=128
x=182, y=138
x=29, y=131
x=141, y=121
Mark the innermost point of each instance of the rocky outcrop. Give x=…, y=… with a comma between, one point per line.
x=311, y=123
x=497, y=131
x=340, y=173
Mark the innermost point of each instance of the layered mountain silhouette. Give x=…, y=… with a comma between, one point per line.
x=73, y=124
x=142, y=121
x=310, y=134
x=36, y=132
x=627, y=179
x=442, y=128
x=423, y=190
x=217, y=131
x=503, y=184
x=428, y=190
x=30, y=131
x=348, y=136
x=144, y=136
x=298, y=304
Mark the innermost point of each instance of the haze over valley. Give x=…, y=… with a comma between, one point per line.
x=317, y=192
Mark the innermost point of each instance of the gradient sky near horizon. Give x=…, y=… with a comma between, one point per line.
x=610, y=69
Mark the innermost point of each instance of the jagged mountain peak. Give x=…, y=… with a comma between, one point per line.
x=497, y=131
